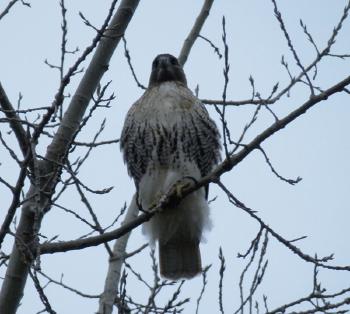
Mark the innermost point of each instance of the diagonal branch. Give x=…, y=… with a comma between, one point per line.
x=14, y=121
x=288, y=244
x=294, y=80
x=235, y=159
x=23, y=141
x=172, y=195
x=10, y=5
x=5, y=227
x=193, y=35
x=33, y=210
x=113, y=276
x=115, y=265
x=290, y=45
x=55, y=247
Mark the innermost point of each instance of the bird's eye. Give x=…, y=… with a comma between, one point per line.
x=155, y=63
x=173, y=61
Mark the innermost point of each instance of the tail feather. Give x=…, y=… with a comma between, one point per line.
x=180, y=259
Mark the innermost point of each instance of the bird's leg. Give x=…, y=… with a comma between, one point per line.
x=138, y=202
x=158, y=201
x=181, y=185
x=174, y=194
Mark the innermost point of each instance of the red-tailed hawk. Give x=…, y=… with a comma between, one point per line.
x=168, y=136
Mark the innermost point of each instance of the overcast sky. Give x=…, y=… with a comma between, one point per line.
x=314, y=147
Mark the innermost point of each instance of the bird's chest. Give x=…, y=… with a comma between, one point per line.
x=165, y=127
x=167, y=110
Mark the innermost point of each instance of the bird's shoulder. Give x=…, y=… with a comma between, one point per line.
x=169, y=103
x=166, y=96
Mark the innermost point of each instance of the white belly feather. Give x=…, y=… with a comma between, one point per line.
x=191, y=216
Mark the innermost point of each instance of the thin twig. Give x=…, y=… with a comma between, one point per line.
x=16, y=126
x=60, y=283
x=216, y=49
x=41, y=293
x=290, y=45
x=289, y=181
x=221, y=279
x=204, y=284
x=10, y=5
x=320, y=262
x=128, y=58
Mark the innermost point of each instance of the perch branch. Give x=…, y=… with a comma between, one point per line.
x=222, y=168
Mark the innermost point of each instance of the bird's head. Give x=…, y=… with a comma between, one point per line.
x=166, y=67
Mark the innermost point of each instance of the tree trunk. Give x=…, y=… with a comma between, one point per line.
x=23, y=255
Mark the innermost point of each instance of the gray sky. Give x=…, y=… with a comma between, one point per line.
x=314, y=147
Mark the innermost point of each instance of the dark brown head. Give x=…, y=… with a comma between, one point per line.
x=165, y=67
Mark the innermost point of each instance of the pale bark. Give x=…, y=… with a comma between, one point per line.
x=193, y=35
x=33, y=210
x=112, y=280
x=109, y=294
x=23, y=143
x=16, y=126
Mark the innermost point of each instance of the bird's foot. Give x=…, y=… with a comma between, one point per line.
x=157, y=201
x=174, y=195
x=177, y=190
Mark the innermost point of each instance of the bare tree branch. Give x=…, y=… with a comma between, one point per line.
x=93, y=144
x=10, y=5
x=66, y=154
x=65, y=286
x=113, y=276
x=173, y=197
x=267, y=159
x=288, y=244
x=294, y=80
x=14, y=205
x=128, y=58
x=216, y=49
x=109, y=294
x=54, y=247
x=204, y=284
x=18, y=267
x=221, y=279
x=237, y=102
x=16, y=126
x=290, y=45
x=317, y=309
x=193, y=35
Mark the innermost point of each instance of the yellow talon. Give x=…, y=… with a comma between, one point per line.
x=180, y=186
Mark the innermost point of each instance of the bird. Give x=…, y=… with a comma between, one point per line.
x=168, y=138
